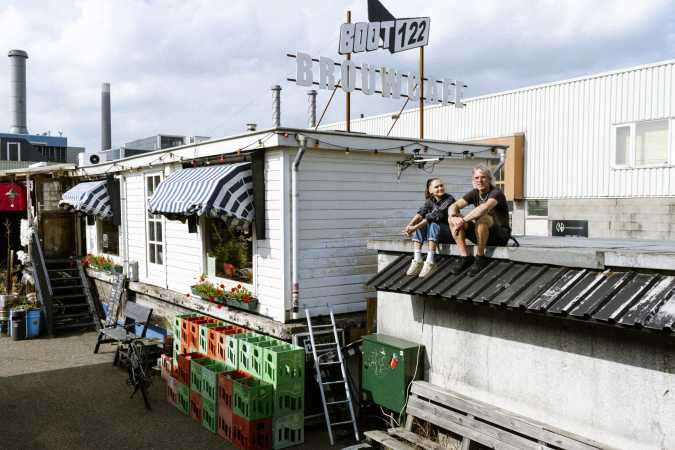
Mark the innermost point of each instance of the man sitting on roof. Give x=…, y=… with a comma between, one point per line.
x=487, y=224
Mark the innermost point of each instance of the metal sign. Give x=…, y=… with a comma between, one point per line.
x=394, y=35
x=388, y=82
x=578, y=228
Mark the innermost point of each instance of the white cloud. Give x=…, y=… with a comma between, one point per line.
x=205, y=67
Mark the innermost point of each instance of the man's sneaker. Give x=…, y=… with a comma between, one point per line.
x=479, y=263
x=428, y=269
x=414, y=269
x=460, y=264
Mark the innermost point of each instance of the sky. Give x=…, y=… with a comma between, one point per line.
x=203, y=67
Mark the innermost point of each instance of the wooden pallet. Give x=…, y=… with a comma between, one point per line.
x=474, y=421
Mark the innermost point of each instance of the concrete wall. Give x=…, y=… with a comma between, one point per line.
x=632, y=218
x=615, y=386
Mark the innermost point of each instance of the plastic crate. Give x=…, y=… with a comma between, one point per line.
x=225, y=390
x=257, y=355
x=252, y=399
x=232, y=344
x=289, y=400
x=209, y=415
x=212, y=340
x=252, y=434
x=177, y=327
x=182, y=398
x=284, y=366
x=204, y=335
x=171, y=390
x=224, y=425
x=209, y=379
x=166, y=366
x=288, y=431
x=246, y=346
x=196, y=404
x=183, y=370
x=193, y=336
x=197, y=374
x=222, y=338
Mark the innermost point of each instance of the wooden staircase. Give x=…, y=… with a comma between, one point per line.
x=63, y=291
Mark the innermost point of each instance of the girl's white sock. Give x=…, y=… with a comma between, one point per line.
x=417, y=255
x=430, y=256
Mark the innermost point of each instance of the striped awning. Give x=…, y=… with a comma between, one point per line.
x=223, y=191
x=90, y=197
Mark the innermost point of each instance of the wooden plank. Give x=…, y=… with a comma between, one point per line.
x=507, y=419
x=384, y=439
x=414, y=439
x=438, y=416
x=467, y=426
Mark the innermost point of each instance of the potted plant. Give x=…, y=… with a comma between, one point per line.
x=206, y=290
x=240, y=297
x=228, y=249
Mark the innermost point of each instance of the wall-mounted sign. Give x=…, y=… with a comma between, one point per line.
x=388, y=82
x=394, y=35
x=578, y=228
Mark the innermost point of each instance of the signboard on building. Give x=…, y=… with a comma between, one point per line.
x=577, y=228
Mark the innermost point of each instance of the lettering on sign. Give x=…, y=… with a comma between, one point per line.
x=394, y=35
x=386, y=81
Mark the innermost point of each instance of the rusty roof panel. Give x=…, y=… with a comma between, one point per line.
x=625, y=298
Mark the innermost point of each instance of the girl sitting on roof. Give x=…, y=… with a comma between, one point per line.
x=430, y=224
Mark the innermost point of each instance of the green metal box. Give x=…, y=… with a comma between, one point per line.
x=388, y=368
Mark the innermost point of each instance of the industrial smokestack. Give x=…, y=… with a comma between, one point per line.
x=106, y=140
x=276, y=106
x=312, y=108
x=17, y=91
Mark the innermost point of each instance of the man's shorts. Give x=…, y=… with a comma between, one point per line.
x=499, y=235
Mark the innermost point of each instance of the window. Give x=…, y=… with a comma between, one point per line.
x=642, y=143
x=13, y=151
x=155, y=234
x=537, y=208
x=108, y=237
x=231, y=251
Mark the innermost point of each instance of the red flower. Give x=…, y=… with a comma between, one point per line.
x=222, y=286
x=187, y=295
x=239, y=286
x=218, y=306
x=233, y=290
x=245, y=299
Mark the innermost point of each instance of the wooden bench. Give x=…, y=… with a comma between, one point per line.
x=473, y=421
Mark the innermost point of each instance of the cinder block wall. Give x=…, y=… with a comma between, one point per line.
x=626, y=218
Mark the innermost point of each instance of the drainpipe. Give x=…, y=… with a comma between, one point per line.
x=502, y=160
x=295, y=302
x=124, y=223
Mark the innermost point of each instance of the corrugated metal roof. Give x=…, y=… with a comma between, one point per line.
x=623, y=298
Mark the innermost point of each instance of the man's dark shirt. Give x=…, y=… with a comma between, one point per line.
x=436, y=211
x=500, y=213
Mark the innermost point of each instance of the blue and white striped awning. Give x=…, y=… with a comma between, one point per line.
x=90, y=197
x=223, y=191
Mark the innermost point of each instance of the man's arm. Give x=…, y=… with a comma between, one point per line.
x=480, y=210
x=455, y=208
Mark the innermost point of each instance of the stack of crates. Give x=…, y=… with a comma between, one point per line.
x=246, y=387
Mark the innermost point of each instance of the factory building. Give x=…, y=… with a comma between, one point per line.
x=591, y=156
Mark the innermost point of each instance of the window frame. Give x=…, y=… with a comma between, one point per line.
x=8, y=152
x=632, y=150
x=158, y=219
x=99, y=239
x=228, y=282
x=527, y=208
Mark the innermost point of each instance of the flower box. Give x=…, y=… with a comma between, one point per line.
x=196, y=294
x=252, y=304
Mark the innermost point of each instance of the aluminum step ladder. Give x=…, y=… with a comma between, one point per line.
x=322, y=352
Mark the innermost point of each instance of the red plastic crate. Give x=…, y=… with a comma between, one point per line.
x=212, y=351
x=253, y=434
x=185, y=330
x=221, y=344
x=171, y=390
x=224, y=425
x=225, y=391
x=183, y=371
x=196, y=406
x=166, y=364
x=193, y=343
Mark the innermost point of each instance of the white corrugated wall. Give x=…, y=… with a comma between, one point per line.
x=568, y=130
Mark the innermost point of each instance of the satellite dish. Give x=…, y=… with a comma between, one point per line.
x=94, y=159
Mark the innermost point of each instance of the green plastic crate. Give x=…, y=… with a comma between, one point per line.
x=284, y=366
x=209, y=415
x=289, y=400
x=252, y=399
x=288, y=430
x=176, y=352
x=197, y=374
x=183, y=398
x=209, y=379
x=204, y=335
x=178, y=318
x=232, y=341
x=257, y=358
x=249, y=347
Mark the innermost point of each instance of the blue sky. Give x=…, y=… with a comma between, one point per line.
x=204, y=67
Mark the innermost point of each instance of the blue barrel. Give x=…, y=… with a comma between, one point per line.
x=32, y=323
